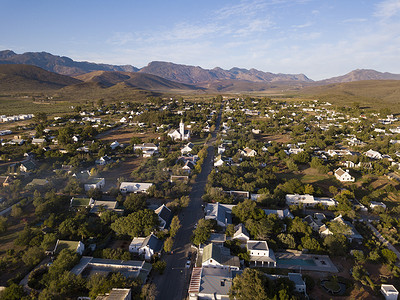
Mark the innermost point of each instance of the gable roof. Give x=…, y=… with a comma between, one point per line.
x=152, y=242
x=220, y=212
x=220, y=254
x=28, y=164
x=240, y=229
x=165, y=214
x=340, y=172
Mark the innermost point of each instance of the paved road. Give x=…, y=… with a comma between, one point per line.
x=174, y=282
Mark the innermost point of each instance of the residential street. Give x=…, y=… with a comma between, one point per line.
x=174, y=282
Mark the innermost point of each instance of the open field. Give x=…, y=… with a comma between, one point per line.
x=124, y=134
x=24, y=105
x=279, y=138
x=123, y=170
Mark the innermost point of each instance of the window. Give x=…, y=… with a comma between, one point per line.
x=223, y=282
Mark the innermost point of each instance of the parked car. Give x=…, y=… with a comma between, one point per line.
x=188, y=263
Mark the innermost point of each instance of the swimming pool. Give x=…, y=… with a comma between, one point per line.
x=295, y=262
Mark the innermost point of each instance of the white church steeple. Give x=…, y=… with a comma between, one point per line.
x=182, y=129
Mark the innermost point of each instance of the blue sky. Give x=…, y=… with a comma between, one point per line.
x=320, y=38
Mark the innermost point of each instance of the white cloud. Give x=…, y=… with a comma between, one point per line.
x=387, y=9
x=253, y=26
x=121, y=38
x=308, y=24
x=244, y=8
x=355, y=20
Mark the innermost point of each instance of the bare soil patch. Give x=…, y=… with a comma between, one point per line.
x=124, y=134
x=279, y=138
x=124, y=170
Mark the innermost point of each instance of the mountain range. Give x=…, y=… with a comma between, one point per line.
x=16, y=73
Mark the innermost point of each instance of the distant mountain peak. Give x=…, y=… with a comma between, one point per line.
x=360, y=75
x=195, y=74
x=58, y=64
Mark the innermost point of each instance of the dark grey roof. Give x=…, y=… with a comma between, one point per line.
x=153, y=242
x=164, y=213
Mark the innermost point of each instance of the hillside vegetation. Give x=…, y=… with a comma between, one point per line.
x=374, y=94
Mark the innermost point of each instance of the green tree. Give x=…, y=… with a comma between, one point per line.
x=336, y=244
x=203, y=231
x=142, y=222
x=63, y=286
x=309, y=189
x=287, y=240
x=135, y=202
x=249, y=285
x=168, y=244
x=297, y=225
x=49, y=241
x=16, y=210
x=175, y=225
x=247, y=210
x=13, y=292
x=32, y=256
x=389, y=256
x=65, y=260
x=310, y=243
x=149, y=291
x=3, y=224
x=107, y=217
x=338, y=227
x=159, y=266
x=99, y=284
x=24, y=237
x=359, y=273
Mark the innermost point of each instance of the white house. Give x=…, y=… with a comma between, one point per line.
x=221, y=149
x=148, y=246
x=260, y=253
x=293, y=151
x=241, y=233
x=344, y=176
x=375, y=204
x=339, y=152
x=148, y=149
x=221, y=160
x=373, y=154
x=389, y=292
x=210, y=283
x=216, y=256
x=94, y=183
x=76, y=246
x=114, y=145
x=248, y=152
x=187, y=149
x=134, y=187
x=136, y=244
x=308, y=200
x=37, y=141
x=282, y=213
x=164, y=216
x=222, y=213
x=104, y=160
x=180, y=134
x=99, y=206
x=299, y=284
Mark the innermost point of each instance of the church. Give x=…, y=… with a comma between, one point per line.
x=180, y=134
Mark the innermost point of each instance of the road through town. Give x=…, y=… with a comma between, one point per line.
x=174, y=282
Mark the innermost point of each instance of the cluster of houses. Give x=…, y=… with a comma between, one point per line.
x=22, y=117
x=216, y=267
